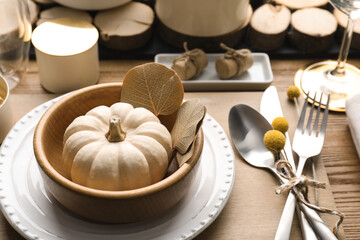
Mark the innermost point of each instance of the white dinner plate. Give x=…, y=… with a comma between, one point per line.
x=35, y=214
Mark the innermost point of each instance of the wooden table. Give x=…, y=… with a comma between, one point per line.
x=339, y=154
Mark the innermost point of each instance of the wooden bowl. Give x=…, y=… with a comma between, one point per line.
x=99, y=205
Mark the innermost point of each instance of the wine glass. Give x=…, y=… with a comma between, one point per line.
x=15, y=34
x=338, y=78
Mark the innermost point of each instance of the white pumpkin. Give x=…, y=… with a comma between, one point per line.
x=117, y=148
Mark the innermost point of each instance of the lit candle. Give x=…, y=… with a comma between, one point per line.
x=66, y=54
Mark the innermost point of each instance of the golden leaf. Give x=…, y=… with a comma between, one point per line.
x=168, y=120
x=154, y=87
x=187, y=124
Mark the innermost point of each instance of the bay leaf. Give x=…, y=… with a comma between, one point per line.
x=154, y=87
x=187, y=124
x=183, y=158
x=173, y=166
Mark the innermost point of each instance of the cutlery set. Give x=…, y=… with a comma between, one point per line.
x=247, y=128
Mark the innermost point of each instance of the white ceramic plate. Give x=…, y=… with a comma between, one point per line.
x=258, y=77
x=34, y=213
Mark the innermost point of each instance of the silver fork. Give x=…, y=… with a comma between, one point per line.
x=306, y=143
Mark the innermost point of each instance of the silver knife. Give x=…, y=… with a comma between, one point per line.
x=270, y=108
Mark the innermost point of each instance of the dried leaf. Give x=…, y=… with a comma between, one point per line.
x=173, y=166
x=168, y=120
x=187, y=124
x=154, y=87
x=183, y=158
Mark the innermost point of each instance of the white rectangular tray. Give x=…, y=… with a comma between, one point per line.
x=258, y=77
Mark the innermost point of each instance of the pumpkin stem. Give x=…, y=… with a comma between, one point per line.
x=115, y=133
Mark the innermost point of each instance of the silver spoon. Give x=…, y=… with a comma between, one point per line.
x=247, y=128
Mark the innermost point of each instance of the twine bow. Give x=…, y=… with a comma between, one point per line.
x=190, y=56
x=239, y=56
x=300, y=184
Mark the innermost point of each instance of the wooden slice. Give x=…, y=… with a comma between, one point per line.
x=208, y=44
x=299, y=4
x=125, y=28
x=268, y=27
x=312, y=30
x=256, y=4
x=63, y=12
x=342, y=21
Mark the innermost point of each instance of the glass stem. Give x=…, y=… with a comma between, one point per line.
x=344, y=49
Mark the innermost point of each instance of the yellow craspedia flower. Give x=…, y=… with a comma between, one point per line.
x=293, y=92
x=281, y=124
x=274, y=140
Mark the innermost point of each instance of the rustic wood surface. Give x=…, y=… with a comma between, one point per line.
x=339, y=155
